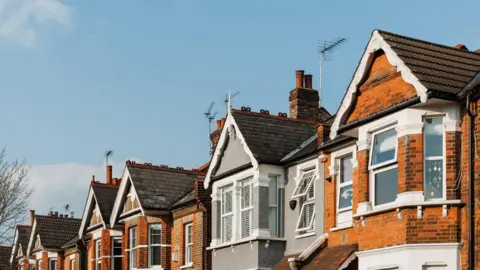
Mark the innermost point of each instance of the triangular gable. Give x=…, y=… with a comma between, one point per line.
x=126, y=187
x=38, y=242
x=130, y=202
x=233, y=155
x=230, y=130
x=87, y=212
x=376, y=43
x=19, y=253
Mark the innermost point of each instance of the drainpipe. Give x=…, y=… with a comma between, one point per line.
x=471, y=191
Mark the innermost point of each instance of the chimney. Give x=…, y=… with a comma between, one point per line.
x=50, y=214
x=323, y=131
x=303, y=100
x=109, y=174
x=461, y=47
x=216, y=134
x=299, y=76
x=32, y=217
x=308, y=81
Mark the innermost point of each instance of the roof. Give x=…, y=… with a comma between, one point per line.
x=330, y=258
x=5, y=257
x=160, y=187
x=306, y=148
x=269, y=137
x=438, y=67
x=56, y=231
x=24, y=236
x=187, y=198
x=71, y=242
x=105, y=196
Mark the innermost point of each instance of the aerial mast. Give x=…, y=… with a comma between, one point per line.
x=325, y=50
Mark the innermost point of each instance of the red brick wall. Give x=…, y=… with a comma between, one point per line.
x=410, y=163
x=125, y=245
x=106, y=250
x=60, y=261
x=44, y=260
x=383, y=87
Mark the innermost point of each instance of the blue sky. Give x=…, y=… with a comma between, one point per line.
x=80, y=77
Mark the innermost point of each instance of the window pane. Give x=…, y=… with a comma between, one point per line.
x=53, y=265
x=133, y=258
x=433, y=137
x=272, y=190
x=155, y=234
x=246, y=223
x=117, y=247
x=272, y=220
x=227, y=228
x=188, y=255
x=346, y=169
x=227, y=202
x=189, y=234
x=117, y=263
x=246, y=195
x=384, y=145
x=155, y=255
x=307, y=216
x=345, y=199
x=434, y=179
x=305, y=181
x=386, y=186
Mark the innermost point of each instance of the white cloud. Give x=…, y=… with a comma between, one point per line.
x=19, y=19
x=60, y=184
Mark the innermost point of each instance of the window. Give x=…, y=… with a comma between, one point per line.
x=306, y=180
x=117, y=253
x=383, y=158
x=274, y=204
x=98, y=256
x=188, y=244
x=53, y=264
x=133, y=248
x=433, y=149
x=72, y=264
x=154, y=244
x=227, y=213
x=246, y=208
x=344, y=191
x=306, y=189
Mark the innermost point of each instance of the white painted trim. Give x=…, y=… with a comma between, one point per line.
x=13, y=254
x=409, y=246
x=406, y=204
x=310, y=249
x=229, y=122
x=376, y=43
x=32, y=235
x=85, y=212
x=347, y=261
x=305, y=235
x=309, y=140
x=121, y=194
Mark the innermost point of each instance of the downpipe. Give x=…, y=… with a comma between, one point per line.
x=471, y=182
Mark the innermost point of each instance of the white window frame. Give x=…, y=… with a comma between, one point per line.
x=72, y=264
x=223, y=190
x=50, y=263
x=248, y=209
x=133, y=249
x=340, y=185
x=98, y=255
x=372, y=184
x=308, y=200
x=188, y=245
x=112, y=261
x=443, y=158
x=40, y=264
x=277, y=206
x=150, y=245
x=385, y=163
x=300, y=182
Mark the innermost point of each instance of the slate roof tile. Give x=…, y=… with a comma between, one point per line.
x=105, y=195
x=5, y=253
x=56, y=231
x=159, y=188
x=24, y=236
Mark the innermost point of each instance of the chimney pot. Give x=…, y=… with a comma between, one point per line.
x=66, y=215
x=299, y=74
x=308, y=81
x=32, y=217
x=61, y=215
x=109, y=174
x=56, y=213
x=50, y=213
x=461, y=47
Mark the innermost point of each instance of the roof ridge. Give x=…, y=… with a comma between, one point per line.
x=426, y=42
x=283, y=118
x=98, y=184
x=166, y=168
x=63, y=218
x=24, y=226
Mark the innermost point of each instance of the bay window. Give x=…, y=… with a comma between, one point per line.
x=154, y=244
x=227, y=213
x=344, y=190
x=246, y=208
x=98, y=260
x=117, y=253
x=434, y=160
x=383, y=166
x=133, y=247
x=188, y=244
x=305, y=192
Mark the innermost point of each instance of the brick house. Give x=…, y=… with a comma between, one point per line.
x=18, y=257
x=5, y=252
x=48, y=235
x=147, y=197
x=103, y=241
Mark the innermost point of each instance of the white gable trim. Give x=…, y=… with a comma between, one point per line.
x=376, y=43
x=121, y=194
x=15, y=246
x=226, y=131
x=85, y=212
x=33, y=238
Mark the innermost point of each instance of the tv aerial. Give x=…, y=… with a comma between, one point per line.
x=210, y=117
x=228, y=100
x=108, y=153
x=325, y=50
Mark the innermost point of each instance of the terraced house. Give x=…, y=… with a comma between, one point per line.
x=18, y=257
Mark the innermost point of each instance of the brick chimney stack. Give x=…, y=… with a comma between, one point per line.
x=216, y=134
x=109, y=174
x=32, y=217
x=304, y=99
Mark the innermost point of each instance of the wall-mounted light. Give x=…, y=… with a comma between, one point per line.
x=329, y=179
x=293, y=204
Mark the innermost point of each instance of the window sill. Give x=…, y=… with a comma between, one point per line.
x=186, y=266
x=245, y=240
x=340, y=227
x=305, y=235
x=410, y=204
